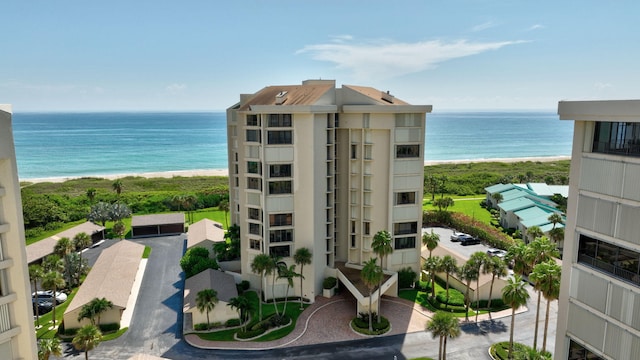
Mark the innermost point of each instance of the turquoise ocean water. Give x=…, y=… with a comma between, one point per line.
x=85, y=144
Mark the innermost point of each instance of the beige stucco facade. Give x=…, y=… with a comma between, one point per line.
x=322, y=167
x=17, y=334
x=599, y=304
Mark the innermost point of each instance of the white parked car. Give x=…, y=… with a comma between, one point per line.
x=496, y=252
x=48, y=295
x=456, y=236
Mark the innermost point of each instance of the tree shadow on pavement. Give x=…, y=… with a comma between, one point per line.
x=484, y=327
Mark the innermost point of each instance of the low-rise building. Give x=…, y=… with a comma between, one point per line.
x=225, y=287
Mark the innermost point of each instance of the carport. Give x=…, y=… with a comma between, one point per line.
x=157, y=225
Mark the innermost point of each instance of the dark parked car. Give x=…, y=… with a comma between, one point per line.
x=468, y=240
x=43, y=305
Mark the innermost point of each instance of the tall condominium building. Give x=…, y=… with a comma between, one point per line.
x=599, y=305
x=325, y=168
x=17, y=334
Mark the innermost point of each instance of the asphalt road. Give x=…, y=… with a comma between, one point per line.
x=156, y=326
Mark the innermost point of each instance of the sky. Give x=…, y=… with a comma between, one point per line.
x=159, y=55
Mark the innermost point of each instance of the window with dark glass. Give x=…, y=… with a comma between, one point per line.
x=276, y=137
x=620, y=138
x=579, y=352
x=404, y=198
x=280, y=235
x=280, y=219
x=280, y=251
x=614, y=260
x=366, y=228
x=280, y=170
x=279, y=120
x=408, y=242
x=254, y=229
x=254, y=244
x=405, y=228
x=254, y=183
x=253, y=135
x=254, y=167
x=254, y=214
x=407, y=151
x=279, y=187
x=354, y=151
x=252, y=120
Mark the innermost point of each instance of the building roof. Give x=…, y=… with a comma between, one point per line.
x=516, y=204
x=204, y=230
x=375, y=95
x=224, y=284
x=498, y=188
x=560, y=189
x=157, y=219
x=42, y=248
x=111, y=277
x=540, y=189
x=305, y=94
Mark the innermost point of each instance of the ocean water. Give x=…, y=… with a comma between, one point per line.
x=84, y=144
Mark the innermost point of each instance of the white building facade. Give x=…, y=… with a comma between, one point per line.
x=599, y=304
x=325, y=168
x=17, y=333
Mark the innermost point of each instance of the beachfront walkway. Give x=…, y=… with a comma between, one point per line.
x=327, y=320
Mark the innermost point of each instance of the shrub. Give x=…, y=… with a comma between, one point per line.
x=244, y=284
x=406, y=277
x=250, y=333
x=201, y=327
x=196, y=260
x=232, y=323
x=330, y=282
x=361, y=325
x=456, y=298
x=111, y=327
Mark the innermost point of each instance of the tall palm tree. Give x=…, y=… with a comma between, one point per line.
x=533, y=233
x=91, y=194
x=35, y=274
x=206, y=300
x=81, y=241
x=467, y=273
x=64, y=247
x=99, y=306
x=276, y=266
x=381, y=246
x=478, y=261
x=539, y=251
x=288, y=274
x=224, y=207
x=555, y=219
x=117, y=187
x=86, y=339
x=444, y=325
x=430, y=241
x=515, y=295
x=260, y=264
x=517, y=255
x=371, y=275
x=302, y=257
x=556, y=234
x=432, y=185
x=48, y=347
x=443, y=179
x=546, y=277
x=497, y=268
x=243, y=305
x=432, y=265
x=190, y=202
x=448, y=265
x=53, y=281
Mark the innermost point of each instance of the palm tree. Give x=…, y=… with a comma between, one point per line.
x=432, y=265
x=99, y=213
x=117, y=187
x=448, y=265
x=497, y=268
x=546, y=277
x=497, y=197
x=91, y=194
x=533, y=233
x=99, y=306
x=555, y=219
x=274, y=269
x=190, y=202
x=443, y=325
x=478, y=260
x=64, y=247
x=467, y=273
x=432, y=186
x=81, y=241
x=86, y=339
x=444, y=179
x=556, y=234
x=517, y=256
x=430, y=241
x=302, y=257
x=539, y=251
x=242, y=304
x=53, y=281
x=260, y=265
x=35, y=274
x=119, y=211
x=515, y=295
x=224, y=207
x=381, y=246
x=371, y=275
x=48, y=347
x=206, y=300
x=443, y=203
x=288, y=274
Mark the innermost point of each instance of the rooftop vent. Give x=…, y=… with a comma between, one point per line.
x=281, y=97
x=387, y=97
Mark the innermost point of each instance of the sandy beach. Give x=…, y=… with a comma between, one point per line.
x=225, y=172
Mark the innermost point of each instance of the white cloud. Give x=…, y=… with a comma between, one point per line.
x=535, y=27
x=391, y=59
x=483, y=26
x=176, y=88
x=341, y=38
x=602, y=86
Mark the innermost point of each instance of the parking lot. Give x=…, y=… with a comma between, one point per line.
x=445, y=241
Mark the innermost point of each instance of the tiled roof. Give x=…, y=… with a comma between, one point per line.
x=223, y=284
x=204, y=230
x=42, y=248
x=158, y=219
x=295, y=95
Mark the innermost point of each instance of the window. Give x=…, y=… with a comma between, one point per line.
x=254, y=183
x=579, y=352
x=279, y=120
x=254, y=244
x=404, y=198
x=252, y=120
x=408, y=242
x=276, y=236
x=407, y=151
x=354, y=151
x=279, y=137
x=617, y=261
x=254, y=229
x=253, y=135
x=621, y=138
x=280, y=250
x=254, y=167
x=237, y=181
x=405, y=228
x=353, y=241
x=254, y=214
x=280, y=170
x=280, y=219
x=279, y=187
x=366, y=228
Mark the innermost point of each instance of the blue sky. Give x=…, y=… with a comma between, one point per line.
x=200, y=55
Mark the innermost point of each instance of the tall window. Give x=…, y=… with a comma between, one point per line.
x=405, y=228
x=404, y=198
x=621, y=138
x=279, y=187
x=354, y=151
x=277, y=137
x=366, y=228
x=254, y=167
x=280, y=170
x=617, y=261
x=280, y=250
x=408, y=242
x=253, y=135
x=407, y=151
x=254, y=229
x=254, y=214
x=279, y=120
x=280, y=235
x=281, y=219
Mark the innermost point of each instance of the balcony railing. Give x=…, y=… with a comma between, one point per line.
x=609, y=268
x=5, y=322
x=619, y=147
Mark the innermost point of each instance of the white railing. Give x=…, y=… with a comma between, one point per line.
x=5, y=322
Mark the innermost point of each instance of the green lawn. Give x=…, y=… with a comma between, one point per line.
x=213, y=214
x=468, y=205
